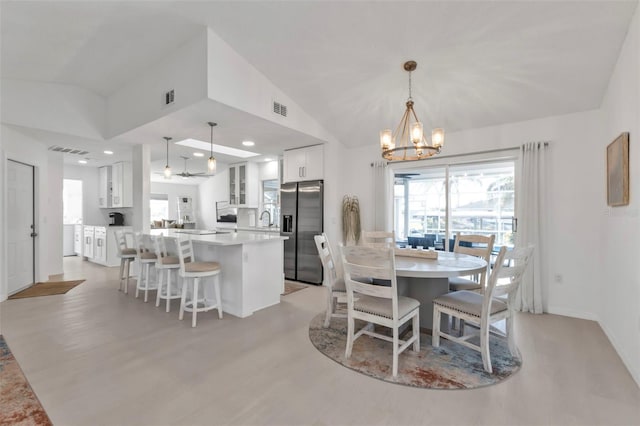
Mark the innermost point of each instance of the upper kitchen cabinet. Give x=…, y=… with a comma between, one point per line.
x=104, y=188
x=243, y=184
x=121, y=185
x=303, y=164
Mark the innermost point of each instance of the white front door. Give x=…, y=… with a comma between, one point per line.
x=20, y=226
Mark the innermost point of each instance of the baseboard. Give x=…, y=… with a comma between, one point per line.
x=635, y=374
x=573, y=313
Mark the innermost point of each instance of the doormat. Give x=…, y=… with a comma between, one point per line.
x=19, y=403
x=291, y=287
x=450, y=366
x=47, y=288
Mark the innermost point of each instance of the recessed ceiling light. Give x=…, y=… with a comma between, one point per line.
x=248, y=143
x=198, y=154
x=220, y=149
x=82, y=161
x=268, y=159
x=108, y=152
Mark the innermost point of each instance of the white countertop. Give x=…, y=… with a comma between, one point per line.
x=227, y=238
x=273, y=229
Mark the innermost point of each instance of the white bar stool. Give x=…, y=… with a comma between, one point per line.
x=166, y=262
x=126, y=255
x=146, y=258
x=196, y=270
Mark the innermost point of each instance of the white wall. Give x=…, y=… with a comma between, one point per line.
x=234, y=81
x=576, y=174
x=173, y=191
x=216, y=188
x=141, y=100
x=54, y=107
x=54, y=212
x=619, y=290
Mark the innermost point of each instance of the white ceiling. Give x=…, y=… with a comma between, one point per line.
x=479, y=63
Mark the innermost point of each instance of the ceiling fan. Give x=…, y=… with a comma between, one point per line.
x=185, y=174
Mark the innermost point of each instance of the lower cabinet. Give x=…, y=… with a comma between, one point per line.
x=88, y=242
x=77, y=239
x=105, y=249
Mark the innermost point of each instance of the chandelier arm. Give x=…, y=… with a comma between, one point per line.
x=403, y=120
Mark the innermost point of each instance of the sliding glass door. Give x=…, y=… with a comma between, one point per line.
x=436, y=202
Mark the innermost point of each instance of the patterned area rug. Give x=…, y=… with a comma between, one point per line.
x=292, y=287
x=47, y=288
x=451, y=366
x=19, y=403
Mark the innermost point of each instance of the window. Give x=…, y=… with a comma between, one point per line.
x=270, y=194
x=159, y=207
x=71, y=201
x=479, y=198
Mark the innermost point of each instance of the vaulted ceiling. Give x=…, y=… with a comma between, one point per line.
x=480, y=63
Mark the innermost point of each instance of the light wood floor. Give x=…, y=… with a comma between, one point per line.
x=95, y=356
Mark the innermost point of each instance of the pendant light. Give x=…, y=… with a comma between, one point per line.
x=408, y=142
x=167, y=169
x=211, y=163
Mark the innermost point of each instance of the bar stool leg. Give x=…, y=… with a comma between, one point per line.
x=146, y=282
x=168, y=288
x=194, y=299
x=159, y=291
x=122, y=261
x=183, y=299
x=126, y=286
x=216, y=288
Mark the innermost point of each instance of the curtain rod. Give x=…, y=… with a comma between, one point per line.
x=466, y=154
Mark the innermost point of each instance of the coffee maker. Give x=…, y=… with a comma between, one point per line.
x=116, y=219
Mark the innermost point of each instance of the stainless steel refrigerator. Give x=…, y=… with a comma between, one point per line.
x=301, y=207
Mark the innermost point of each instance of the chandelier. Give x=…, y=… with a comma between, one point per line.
x=408, y=142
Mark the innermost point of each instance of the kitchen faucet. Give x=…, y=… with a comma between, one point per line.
x=268, y=214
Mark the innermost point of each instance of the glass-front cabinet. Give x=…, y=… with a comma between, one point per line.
x=243, y=185
x=232, y=185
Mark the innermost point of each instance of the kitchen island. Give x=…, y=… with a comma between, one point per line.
x=252, y=265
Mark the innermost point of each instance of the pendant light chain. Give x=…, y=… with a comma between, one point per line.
x=410, y=98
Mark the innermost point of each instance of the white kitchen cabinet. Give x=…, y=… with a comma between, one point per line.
x=304, y=164
x=244, y=184
x=104, y=187
x=121, y=185
x=105, y=247
x=99, y=245
x=78, y=243
x=88, y=241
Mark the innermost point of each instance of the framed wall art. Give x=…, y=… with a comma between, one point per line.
x=618, y=171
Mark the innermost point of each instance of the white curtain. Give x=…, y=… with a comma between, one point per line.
x=532, y=222
x=382, y=196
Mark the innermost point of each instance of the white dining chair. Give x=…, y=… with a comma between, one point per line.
x=496, y=304
x=333, y=280
x=378, y=238
x=377, y=304
x=481, y=246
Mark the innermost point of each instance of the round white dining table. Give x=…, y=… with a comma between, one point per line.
x=425, y=279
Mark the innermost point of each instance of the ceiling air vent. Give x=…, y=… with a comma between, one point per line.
x=279, y=109
x=169, y=97
x=75, y=151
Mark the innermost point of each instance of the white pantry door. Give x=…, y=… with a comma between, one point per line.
x=20, y=226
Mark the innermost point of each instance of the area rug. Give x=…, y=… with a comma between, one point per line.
x=291, y=287
x=19, y=403
x=451, y=366
x=47, y=288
